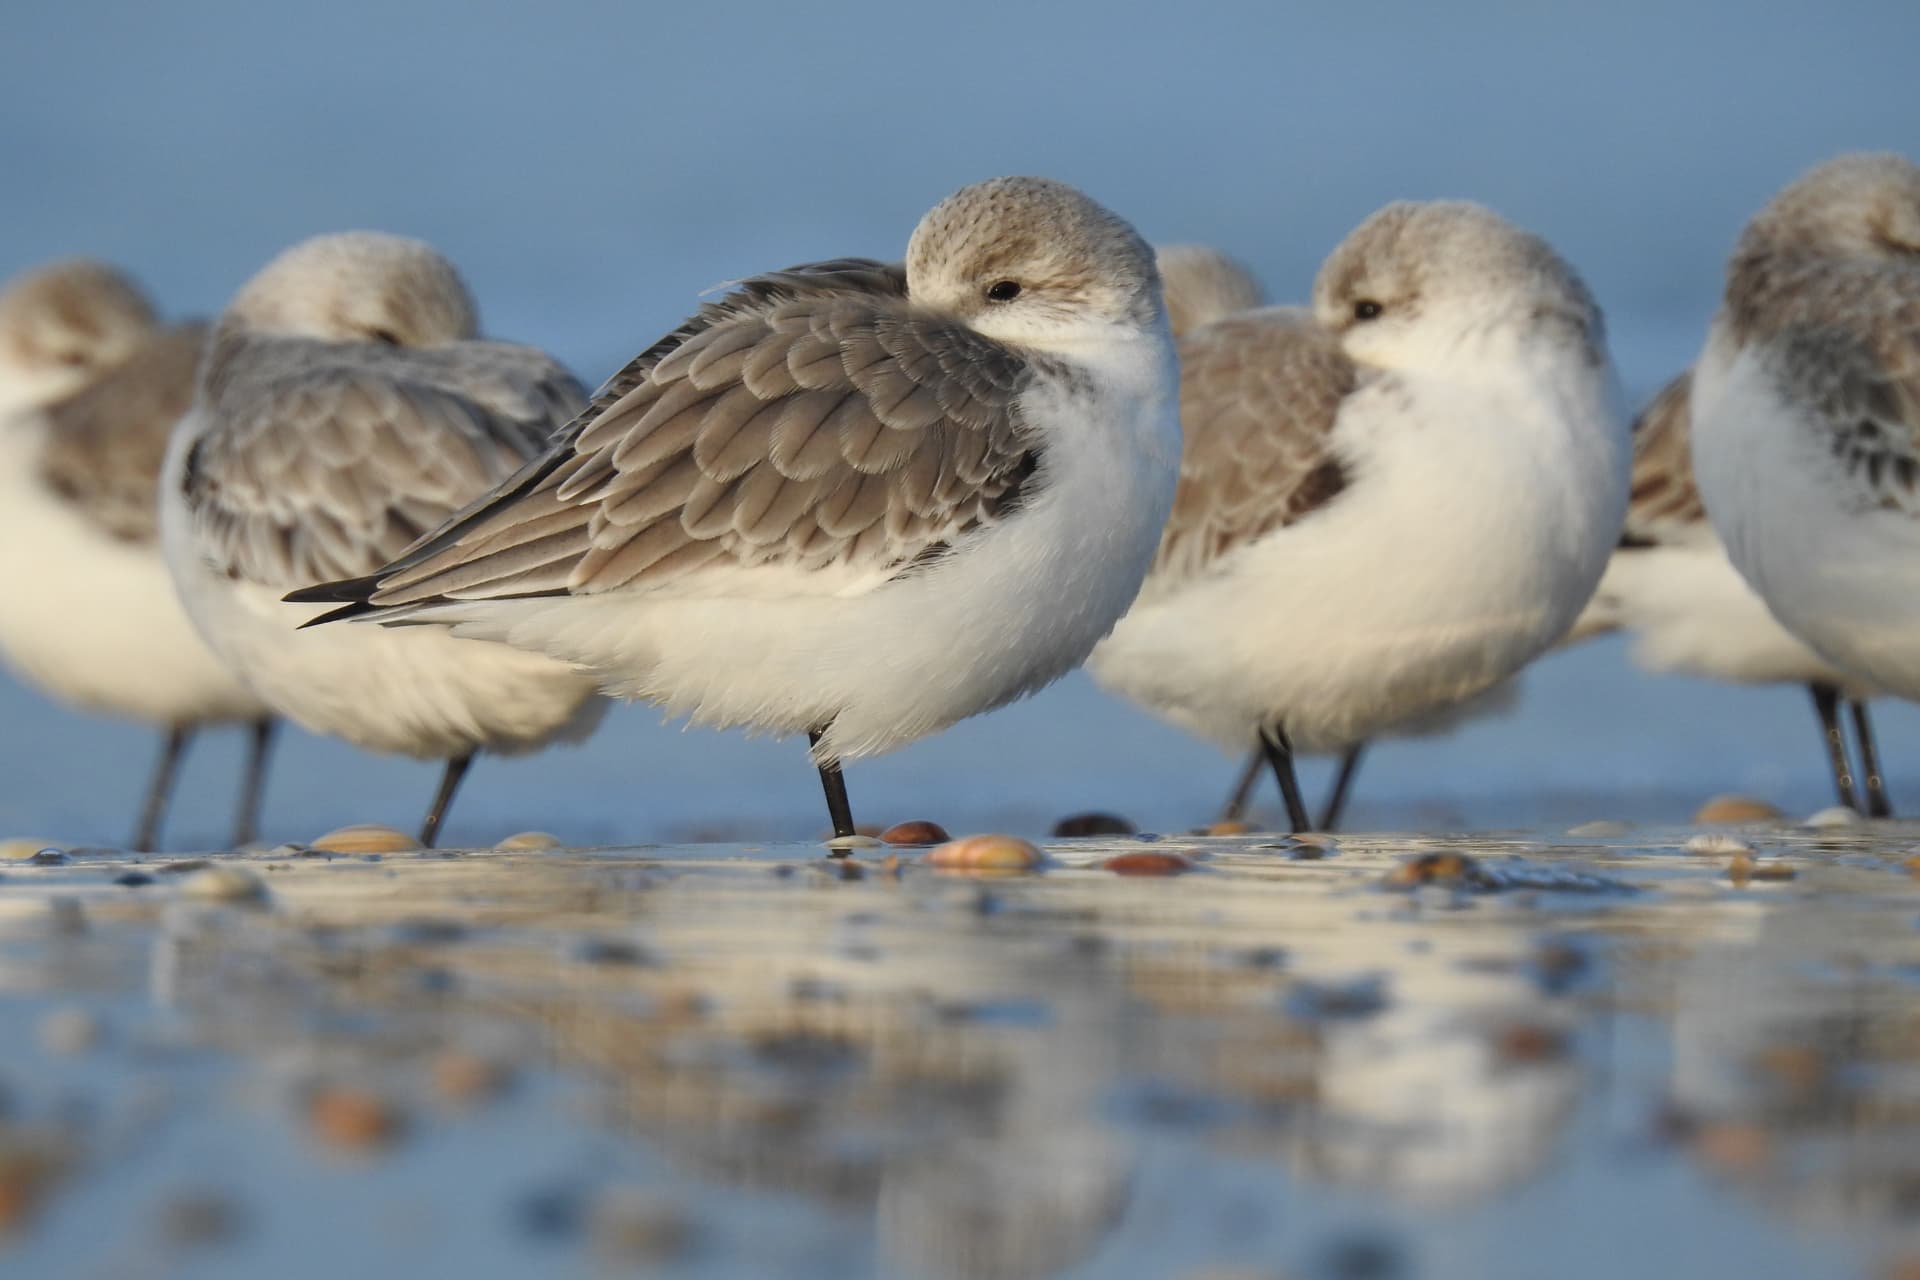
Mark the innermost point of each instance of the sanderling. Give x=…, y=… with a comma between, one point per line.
x=853, y=500
x=1670, y=583
x=88, y=613
x=344, y=408
x=1387, y=505
x=1806, y=415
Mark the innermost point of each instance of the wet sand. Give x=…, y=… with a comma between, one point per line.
x=1490, y=1056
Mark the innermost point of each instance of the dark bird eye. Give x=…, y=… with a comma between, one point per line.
x=1366, y=309
x=1003, y=291
x=387, y=336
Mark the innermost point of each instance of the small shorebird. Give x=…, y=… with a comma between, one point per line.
x=1806, y=416
x=1671, y=584
x=851, y=500
x=345, y=407
x=1386, y=506
x=90, y=385
x=1203, y=285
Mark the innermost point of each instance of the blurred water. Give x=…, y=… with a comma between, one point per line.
x=593, y=167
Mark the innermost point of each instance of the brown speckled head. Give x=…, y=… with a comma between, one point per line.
x=1451, y=265
x=68, y=322
x=358, y=286
x=1022, y=258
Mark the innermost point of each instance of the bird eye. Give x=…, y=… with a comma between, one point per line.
x=386, y=336
x=1366, y=309
x=1003, y=291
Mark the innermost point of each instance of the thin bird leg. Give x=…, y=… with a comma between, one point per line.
x=1826, y=705
x=1342, y=785
x=449, y=783
x=160, y=789
x=1872, y=781
x=1243, y=789
x=253, y=785
x=1279, y=753
x=834, y=783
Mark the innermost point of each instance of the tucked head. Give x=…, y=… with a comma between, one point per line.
x=358, y=286
x=1029, y=259
x=1862, y=204
x=1434, y=273
x=1202, y=285
x=65, y=324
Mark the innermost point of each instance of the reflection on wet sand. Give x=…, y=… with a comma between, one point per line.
x=1299, y=1059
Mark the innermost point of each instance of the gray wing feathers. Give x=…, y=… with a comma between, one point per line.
x=1259, y=394
x=332, y=470
x=791, y=424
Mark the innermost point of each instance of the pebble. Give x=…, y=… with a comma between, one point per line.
x=70, y=1032
x=854, y=842
x=468, y=1079
x=1734, y=1146
x=986, y=853
x=224, y=884
x=1530, y=1042
x=1737, y=809
x=133, y=879
x=1716, y=842
x=1744, y=867
x=1147, y=864
x=352, y=1120
x=366, y=837
x=918, y=831
x=1451, y=869
x=1604, y=827
x=1228, y=827
x=1837, y=815
x=27, y=1173
x=528, y=842
x=1077, y=825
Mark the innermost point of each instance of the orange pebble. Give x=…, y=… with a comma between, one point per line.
x=919, y=831
x=352, y=1120
x=1147, y=864
x=1228, y=827
x=986, y=853
x=1736, y=809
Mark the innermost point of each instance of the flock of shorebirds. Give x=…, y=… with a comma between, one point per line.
x=862, y=500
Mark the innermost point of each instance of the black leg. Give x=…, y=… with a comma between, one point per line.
x=449, y=783
x=1279, y=753
x=1342, y=785
x=172, y=747
x=1872, y=781
x=1243, y=789
x=1826, y=705
x=834, y=783
x=253, y=785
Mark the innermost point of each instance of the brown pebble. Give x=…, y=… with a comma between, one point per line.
x=991, y=853
x=918, y=831
x=1437, y=868
x=1078, y=825
x=1734, y=1146
x=366, y=837
x=1737, y=809
x=1227, y=827
x=352, y=1120
x=1147, y=864
x=467, y=1079
x=1529, y=1042
x=27, y=1174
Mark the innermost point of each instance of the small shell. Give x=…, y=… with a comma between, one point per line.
x=352, y=1120
x=1147, y=864
x=1716, y=842
x=366, y=837
x=528, y=842
x=986, y=853
x=1832, y=816
x=224, y=884
x=918, y=831
x=1737, y=809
